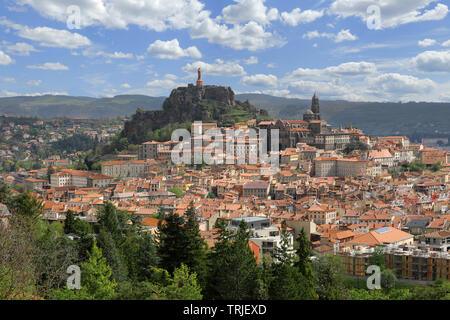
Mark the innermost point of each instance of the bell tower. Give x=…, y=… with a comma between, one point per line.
x=315, y=107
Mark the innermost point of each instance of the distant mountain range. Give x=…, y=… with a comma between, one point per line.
x=421, y=118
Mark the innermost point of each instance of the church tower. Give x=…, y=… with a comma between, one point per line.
x=314, y=112
x=315, y=108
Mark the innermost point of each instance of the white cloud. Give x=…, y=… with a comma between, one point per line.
x=251, y=36
x=393, y=12
x=249, y=10
x=170, y=76
x=396, y=84
x=34, y=82
x=8, y=80
x=220, y=68
x=251, y=60
x=432, y=61
x=125, y=85
x=48, y=37
x=172, y=50
x=119, y=14
x=446, y=43
x=345, y=70
x=5, y=59
x=261, y=80
x=343, y=35
x=161, y=86
x=116, y=55
x=54, y=66
x=119, y=55
x=21, y=49
x=174, y=14
x=427, y=43
x=297, y=16
x=6, y=93
x=325, y=89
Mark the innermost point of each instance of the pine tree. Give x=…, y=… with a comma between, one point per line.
x=288, y=283
x=196, y=247
x=147, y=257
x=69, y=223
x=96, y=277
x=234, y=273
x=305, y=266
x=184, y=285
x=113, y=256
x=330, y=278
x=172, y=242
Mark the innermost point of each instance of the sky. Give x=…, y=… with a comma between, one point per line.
x=356, y=50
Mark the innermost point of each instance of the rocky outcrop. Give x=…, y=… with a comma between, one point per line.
x=189, y=104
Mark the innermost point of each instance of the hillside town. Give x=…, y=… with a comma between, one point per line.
x=349, y=192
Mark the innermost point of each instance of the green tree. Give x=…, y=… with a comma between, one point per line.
x=329, y=277
x=148, y=258
x=196, y=246
x=96, y=282
x=378, y=258
x=304, y=264
x=184, y=285
x=288, y=283
x=177, y=191
x=234, y=273
x=388, y=279
x=112, y=255
x=172, y=240
x=27, y=206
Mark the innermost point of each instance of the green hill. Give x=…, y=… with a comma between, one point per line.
x=49, y=106
x=412, y=119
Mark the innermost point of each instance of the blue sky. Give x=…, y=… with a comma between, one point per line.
x=340, y=48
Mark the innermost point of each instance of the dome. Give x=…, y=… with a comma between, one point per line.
x=309, y=112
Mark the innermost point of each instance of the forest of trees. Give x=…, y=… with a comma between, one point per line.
x=119, y=259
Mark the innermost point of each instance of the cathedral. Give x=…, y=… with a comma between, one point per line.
x=312, y=131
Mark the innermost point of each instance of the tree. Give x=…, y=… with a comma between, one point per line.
x=439, y=290
x=436, y=167
x=180, y=242
x=172, y=241
x=17, y=269
x=177, y=191
x=288, y=283
x=196, y=246
x=378, y=258
x=184, y=285
x=113, y=256
x=96, y=282
x=50, y=171
x=304, y=264
x=234, y=273
x=75, y=225
x=329, y=277
x=147, y=259
x=27, y=206
x=388, y=279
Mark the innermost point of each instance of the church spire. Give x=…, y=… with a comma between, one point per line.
x=315, y=108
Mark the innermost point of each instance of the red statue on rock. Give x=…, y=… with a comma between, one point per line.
x=199, y=80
